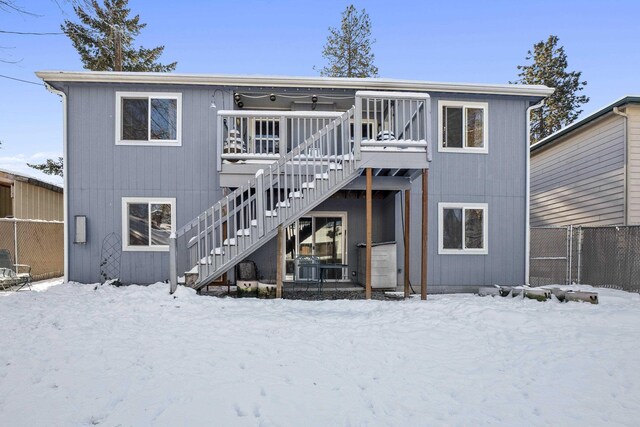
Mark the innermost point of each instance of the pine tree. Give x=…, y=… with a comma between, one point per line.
x=549, y=68
x=50, y=167
x=348, y=48
x=105, y=35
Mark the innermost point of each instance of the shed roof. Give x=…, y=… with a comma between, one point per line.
x=14, y=176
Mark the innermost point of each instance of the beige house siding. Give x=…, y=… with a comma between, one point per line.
x=579, y=179
x=633, y=168
x=35, y=202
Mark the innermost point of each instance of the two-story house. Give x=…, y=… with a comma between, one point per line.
x=197, y=172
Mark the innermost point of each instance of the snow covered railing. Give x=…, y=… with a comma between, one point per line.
x=265, y=135
x=393, y=119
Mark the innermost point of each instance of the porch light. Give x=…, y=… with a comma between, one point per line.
x=237, y=97
x=314, y=98
x=240, y=104
x=272, y=97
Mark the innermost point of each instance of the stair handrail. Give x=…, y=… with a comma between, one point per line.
x=253, y=182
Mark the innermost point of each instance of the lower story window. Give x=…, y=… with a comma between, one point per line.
x=462, y=228
x=147, y=223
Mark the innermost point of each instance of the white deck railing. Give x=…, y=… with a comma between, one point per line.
x=265, y=136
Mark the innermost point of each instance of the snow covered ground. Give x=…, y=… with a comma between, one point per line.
x=72, y=356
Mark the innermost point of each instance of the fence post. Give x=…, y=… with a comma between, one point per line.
x=173, y=263
x=570, y=254
x=15, y=241
x=579, y=268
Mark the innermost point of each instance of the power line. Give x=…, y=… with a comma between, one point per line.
x=30, y=33
x=20, y=80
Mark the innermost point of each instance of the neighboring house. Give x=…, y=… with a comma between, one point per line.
x=24, y=197
x=31, y=228
x=228, y=163
x=588, y=173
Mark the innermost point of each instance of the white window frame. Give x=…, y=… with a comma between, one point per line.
x=150, y=95
x=464, y=149
x=126, y=201
x=485, y=228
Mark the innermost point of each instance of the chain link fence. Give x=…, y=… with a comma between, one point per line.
x=39, y=244
x=598, y=256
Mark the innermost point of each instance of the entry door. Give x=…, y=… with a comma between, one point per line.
x=320, y=234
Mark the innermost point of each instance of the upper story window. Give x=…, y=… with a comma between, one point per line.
x=462, y=228
x=145, y=118
x=462, y=127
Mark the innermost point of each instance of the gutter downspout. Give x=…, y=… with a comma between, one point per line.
x=527, y=243
x=625, y=170
x=65, y=194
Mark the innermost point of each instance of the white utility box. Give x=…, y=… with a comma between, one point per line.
x=384, y=265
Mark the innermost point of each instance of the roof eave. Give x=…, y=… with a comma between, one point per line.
x=297, y=82
x=628, y=99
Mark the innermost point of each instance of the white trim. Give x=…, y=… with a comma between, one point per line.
x=485, y=228
x=345, y=241
x=284, y=81
x=150, y=95
x=125, y=223
x=65, y=178
x=485, y=129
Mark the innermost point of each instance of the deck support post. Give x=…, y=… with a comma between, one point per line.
x=425, y=233
x=279, y=274
x=367, y=292
x=407, y=241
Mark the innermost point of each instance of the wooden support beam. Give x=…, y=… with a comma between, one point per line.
x=367, y=292
x=425, y=233
x=279, y=249
x=407, y=240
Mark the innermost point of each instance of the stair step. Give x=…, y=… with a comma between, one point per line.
x=296, y=195
x=283, y=204
x=254, y=222
x=229, y=242
x=217, y=251
x=323, y=175
x=335, y=167
x=270, y=214
x=307, y=185
x=243, y=232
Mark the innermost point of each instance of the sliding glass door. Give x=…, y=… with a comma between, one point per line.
x=321, y=234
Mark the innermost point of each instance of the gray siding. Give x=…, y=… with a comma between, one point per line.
x=580, y=178
x=498, y=179
x=101, y=174
x=633, y=165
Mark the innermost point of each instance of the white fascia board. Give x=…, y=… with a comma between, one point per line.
x=298, y=82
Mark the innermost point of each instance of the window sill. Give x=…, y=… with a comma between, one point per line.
x=145, y=248
x=442, y=149
x=151, y=143
x=463, y=251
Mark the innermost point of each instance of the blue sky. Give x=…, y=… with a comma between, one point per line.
x=462, y=41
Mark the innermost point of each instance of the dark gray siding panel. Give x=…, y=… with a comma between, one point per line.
x=382, y=229
x=101, y=173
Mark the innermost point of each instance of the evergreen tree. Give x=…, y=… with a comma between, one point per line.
x=348, y=48
x=50, y=167
x=105, y=35
x=549, y=68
